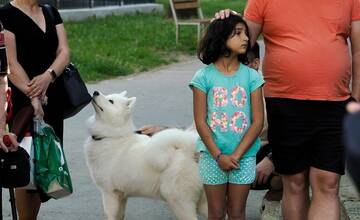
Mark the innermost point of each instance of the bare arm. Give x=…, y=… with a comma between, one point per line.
x=355, y=50
x=3, y=87
x=202, y=127
x=12, y=137
x=62, y=52
x=254, y=30
x=257, y=109
x=18, y=75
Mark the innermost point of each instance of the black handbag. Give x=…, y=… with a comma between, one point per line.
x=76, y=93
x=14, y=168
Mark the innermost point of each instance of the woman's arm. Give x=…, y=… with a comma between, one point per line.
x=62, y=52
x=17, y=75
x=40, y=83
x=12, y=137
x=257, y=112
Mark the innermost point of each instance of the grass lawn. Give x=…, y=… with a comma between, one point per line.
x=120, y=45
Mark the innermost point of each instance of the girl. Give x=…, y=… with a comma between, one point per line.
x=228, y=113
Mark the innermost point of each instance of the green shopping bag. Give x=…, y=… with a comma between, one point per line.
x=51, y=171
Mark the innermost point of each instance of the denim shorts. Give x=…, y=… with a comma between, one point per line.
x=212, y=174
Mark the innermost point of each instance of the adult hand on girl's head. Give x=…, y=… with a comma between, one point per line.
x=227, y=163
x=225, y=13
x=37, y=105
x=39, y=84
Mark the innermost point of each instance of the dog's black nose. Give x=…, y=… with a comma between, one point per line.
x=96, y=93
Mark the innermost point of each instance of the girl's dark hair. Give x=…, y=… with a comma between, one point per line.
x=213, y=44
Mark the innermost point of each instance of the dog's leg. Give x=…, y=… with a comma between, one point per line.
x=202, y=205
x=183, y=210
x=114, y=205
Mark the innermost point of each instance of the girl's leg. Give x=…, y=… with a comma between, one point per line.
x=237, y=196
x=216, y=198
x=27, y=204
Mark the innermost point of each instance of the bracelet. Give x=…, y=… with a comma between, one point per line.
x=53, y=74
x=217, y=158
x=270, y=156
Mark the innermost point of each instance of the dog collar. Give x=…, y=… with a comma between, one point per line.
x=99, y=138
x=96, y=138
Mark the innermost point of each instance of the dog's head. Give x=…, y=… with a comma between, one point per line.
x=112, y=115
x=115, y=109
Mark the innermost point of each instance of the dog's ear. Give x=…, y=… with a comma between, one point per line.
x=123, y=93
x=131, y=102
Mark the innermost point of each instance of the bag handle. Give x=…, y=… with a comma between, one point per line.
x=49, y=10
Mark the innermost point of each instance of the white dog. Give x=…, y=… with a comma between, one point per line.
x=125, y=164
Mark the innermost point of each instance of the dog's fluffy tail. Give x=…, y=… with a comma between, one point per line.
x=163, y=146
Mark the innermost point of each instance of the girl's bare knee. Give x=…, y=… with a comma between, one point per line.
x=236, y=214
x=218, y=214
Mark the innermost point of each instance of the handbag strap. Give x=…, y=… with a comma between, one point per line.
x=48, y=8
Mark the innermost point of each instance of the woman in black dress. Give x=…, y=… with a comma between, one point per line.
x=38, y=52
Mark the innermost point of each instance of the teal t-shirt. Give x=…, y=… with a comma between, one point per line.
x=228, y=105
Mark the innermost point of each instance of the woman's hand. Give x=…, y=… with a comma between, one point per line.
x=13, y=143
x=38, y=110
x=227, y=163
x=38, y=85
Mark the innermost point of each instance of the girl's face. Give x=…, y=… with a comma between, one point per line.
x=238, y=40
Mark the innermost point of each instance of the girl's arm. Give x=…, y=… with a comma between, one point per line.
x=225, y=162
x=202, y=127
x=18, y=75
x=40, y=83
x=257, y=112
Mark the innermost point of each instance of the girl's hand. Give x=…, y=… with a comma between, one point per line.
x=39, y=84
x=38, y=110
x=227, y=163
x=235, y=157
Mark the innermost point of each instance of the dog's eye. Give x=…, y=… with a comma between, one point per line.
x=111, y=101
